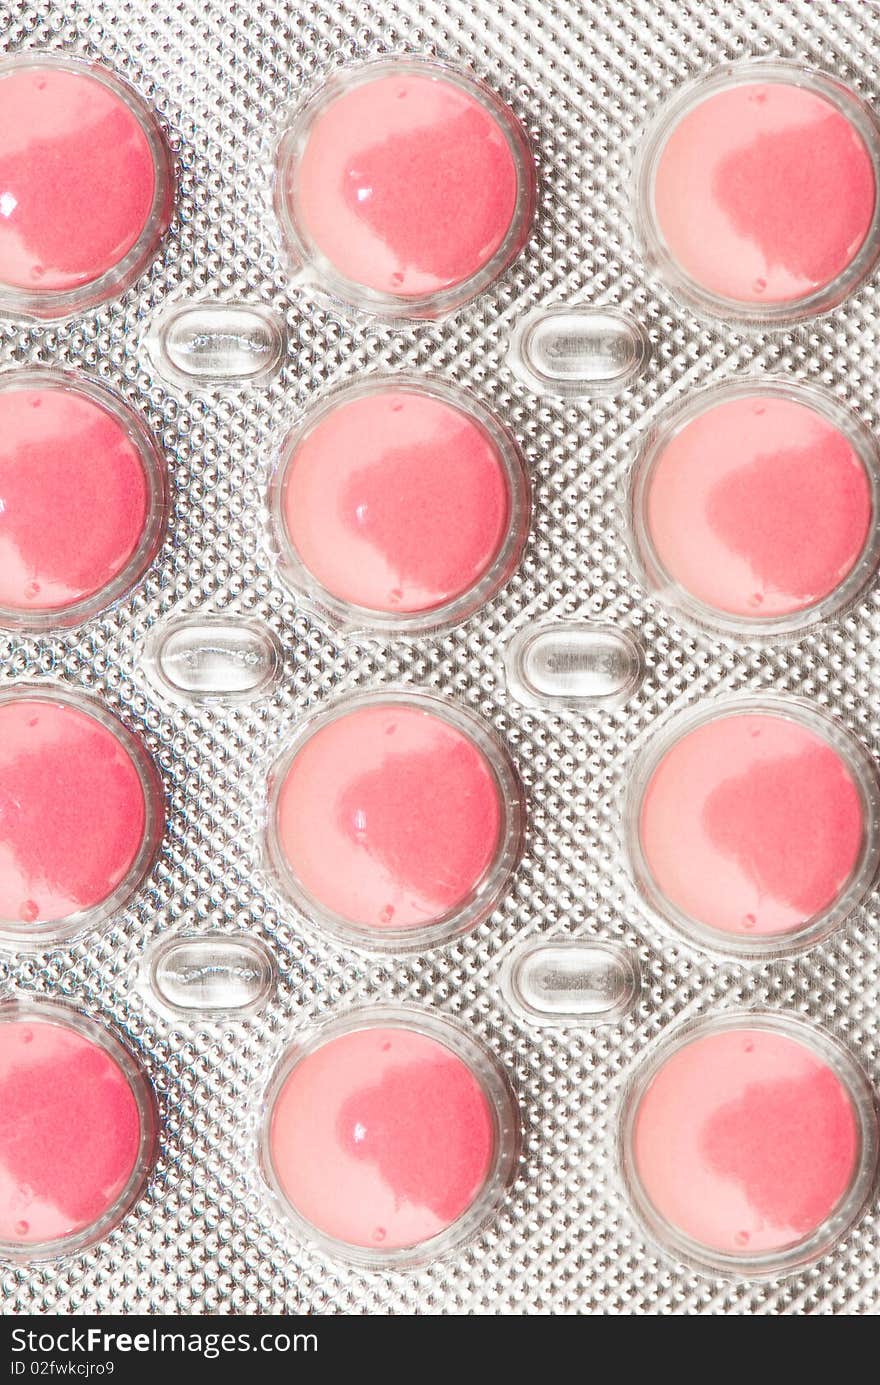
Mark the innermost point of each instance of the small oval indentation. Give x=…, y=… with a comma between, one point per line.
x=211, y=974
x=568, y=982
x=218, y=343
x=577, y=351
x=215, y=658
x=567, y=665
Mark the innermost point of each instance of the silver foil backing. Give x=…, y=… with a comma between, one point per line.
x=585, y=79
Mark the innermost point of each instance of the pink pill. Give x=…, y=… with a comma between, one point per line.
x=389, y=818
x=381, y=1138
x=78, y=811
x=76, y=1129
x=399, y=502
x=764, y=192
x=752, y=826
x=84, y=181
x=409, y=184
x=81, y=499
x=745, y=1141
x=758, y=507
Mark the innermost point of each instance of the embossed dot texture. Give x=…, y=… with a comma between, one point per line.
x=584, y=80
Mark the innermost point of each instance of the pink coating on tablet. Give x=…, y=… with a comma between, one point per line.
x=388, y=816
x=73, y=498
x=406, y=185
x=759, y=507
x=397, y=502
x=381, y=1138
x=72, y=811
x=745, y=1141
x=70, y=1131
x=751, y=824
x=77, y=178
x=764, y=192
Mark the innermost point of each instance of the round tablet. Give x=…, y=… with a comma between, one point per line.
x=764, y=192
x=84, y=184
x=744, y=1143
x=76, y=1130
x=81, y=499
x=78, y=811
x=408, y=184
x=398, y=502
x=752, y=826
x=389, y=818
x=381, y=1138
x=758, y=508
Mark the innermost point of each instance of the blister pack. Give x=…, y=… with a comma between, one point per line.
x=439, y=723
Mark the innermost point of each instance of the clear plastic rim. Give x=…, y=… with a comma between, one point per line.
x=501, y=1100
x=676, y=597
x=34, y=936
x=155, y=475
x=352, y=619
x=814, y=930
x=64, y=1016
x=486, y=894
x=61, y=303
x=315, y=266
x=850, y=1207
x=655, y=252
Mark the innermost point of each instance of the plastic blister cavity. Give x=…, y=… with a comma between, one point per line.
x=83, y=499
x=757, y=192
x=752, y=825
x=404, y=187
x=84, y=212
x=395, y=821
x=399, y=504
x=564, y=664
x=83, y=1151
x=389, y=1136
x=563, y=982
x=209, y=976
x=577, y=351
x=754, y=508
x=749, y=1143
x=213, y=658
x=216, y=345
x=89, y=814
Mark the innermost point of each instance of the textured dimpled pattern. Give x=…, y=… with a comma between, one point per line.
x=584, y=79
